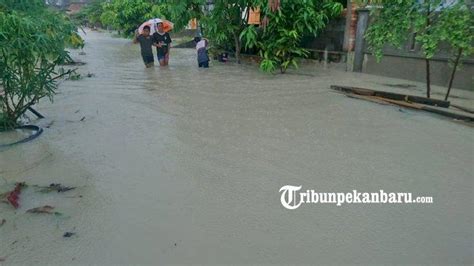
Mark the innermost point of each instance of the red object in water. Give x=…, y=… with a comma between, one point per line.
x=14, y=196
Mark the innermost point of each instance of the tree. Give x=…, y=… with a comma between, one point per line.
x=222, y=21
x=128, y=15
x=430, y=21
x=108, y=18
x=33, y=39
x=456, y=28
x=284, y=24
x=226, y=22
x=182, y=11
x=93, y=11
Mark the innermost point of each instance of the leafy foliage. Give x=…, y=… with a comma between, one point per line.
x=456, y=27
x=126, y=15
x=279, y=41
x=91, y=13
x=182, y=11
x=32, y=44
x=227, y=21
x=224, y=22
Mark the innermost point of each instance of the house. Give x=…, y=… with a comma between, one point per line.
x=70, y=6
x=74, y=8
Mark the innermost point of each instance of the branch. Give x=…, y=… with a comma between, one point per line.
x=70, y=71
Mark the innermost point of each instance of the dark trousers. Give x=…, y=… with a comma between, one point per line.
x=148, y=59
x=204, y=64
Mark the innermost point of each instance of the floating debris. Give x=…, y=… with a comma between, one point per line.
x=404, y=86
x=13, y=197
x=46, y=209
x=68, y=234
x=54, y=187
x=74, y=63
x=2, y=222
x=50, y=124
x=76, y=121
x=74, y=76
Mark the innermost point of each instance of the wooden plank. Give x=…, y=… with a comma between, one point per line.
x=367, y=98
x=359, y=91
x=401, y=103
x=386, y=101
x=416, y=106
x=393, y=96
x=448, y=114
x=462, y=108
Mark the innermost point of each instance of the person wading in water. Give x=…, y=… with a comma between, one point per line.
x=146, y=42
x=162, y=42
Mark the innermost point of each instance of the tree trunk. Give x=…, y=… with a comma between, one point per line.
x=238, y=47
x=428, y=78
x=456, y=63
x=8, y=121
x=427, y=60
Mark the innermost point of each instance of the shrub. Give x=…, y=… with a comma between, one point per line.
x=33, y=41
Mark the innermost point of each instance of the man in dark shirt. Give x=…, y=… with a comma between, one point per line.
x=162, y=42
x=146, y=42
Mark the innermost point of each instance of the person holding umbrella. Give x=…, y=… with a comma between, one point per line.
x=162, y=41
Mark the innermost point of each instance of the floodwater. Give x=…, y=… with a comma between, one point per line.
x=14, y=136
x=184, y=165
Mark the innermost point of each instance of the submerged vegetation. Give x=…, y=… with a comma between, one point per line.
x=33, y=42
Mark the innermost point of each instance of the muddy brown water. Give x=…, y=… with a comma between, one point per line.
x=184, y=165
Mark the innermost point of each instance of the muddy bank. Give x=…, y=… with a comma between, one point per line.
x=183, y=165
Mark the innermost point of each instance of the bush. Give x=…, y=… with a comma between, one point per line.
x=33, y=40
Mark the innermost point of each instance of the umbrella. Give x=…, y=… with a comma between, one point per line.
x=167, y=25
